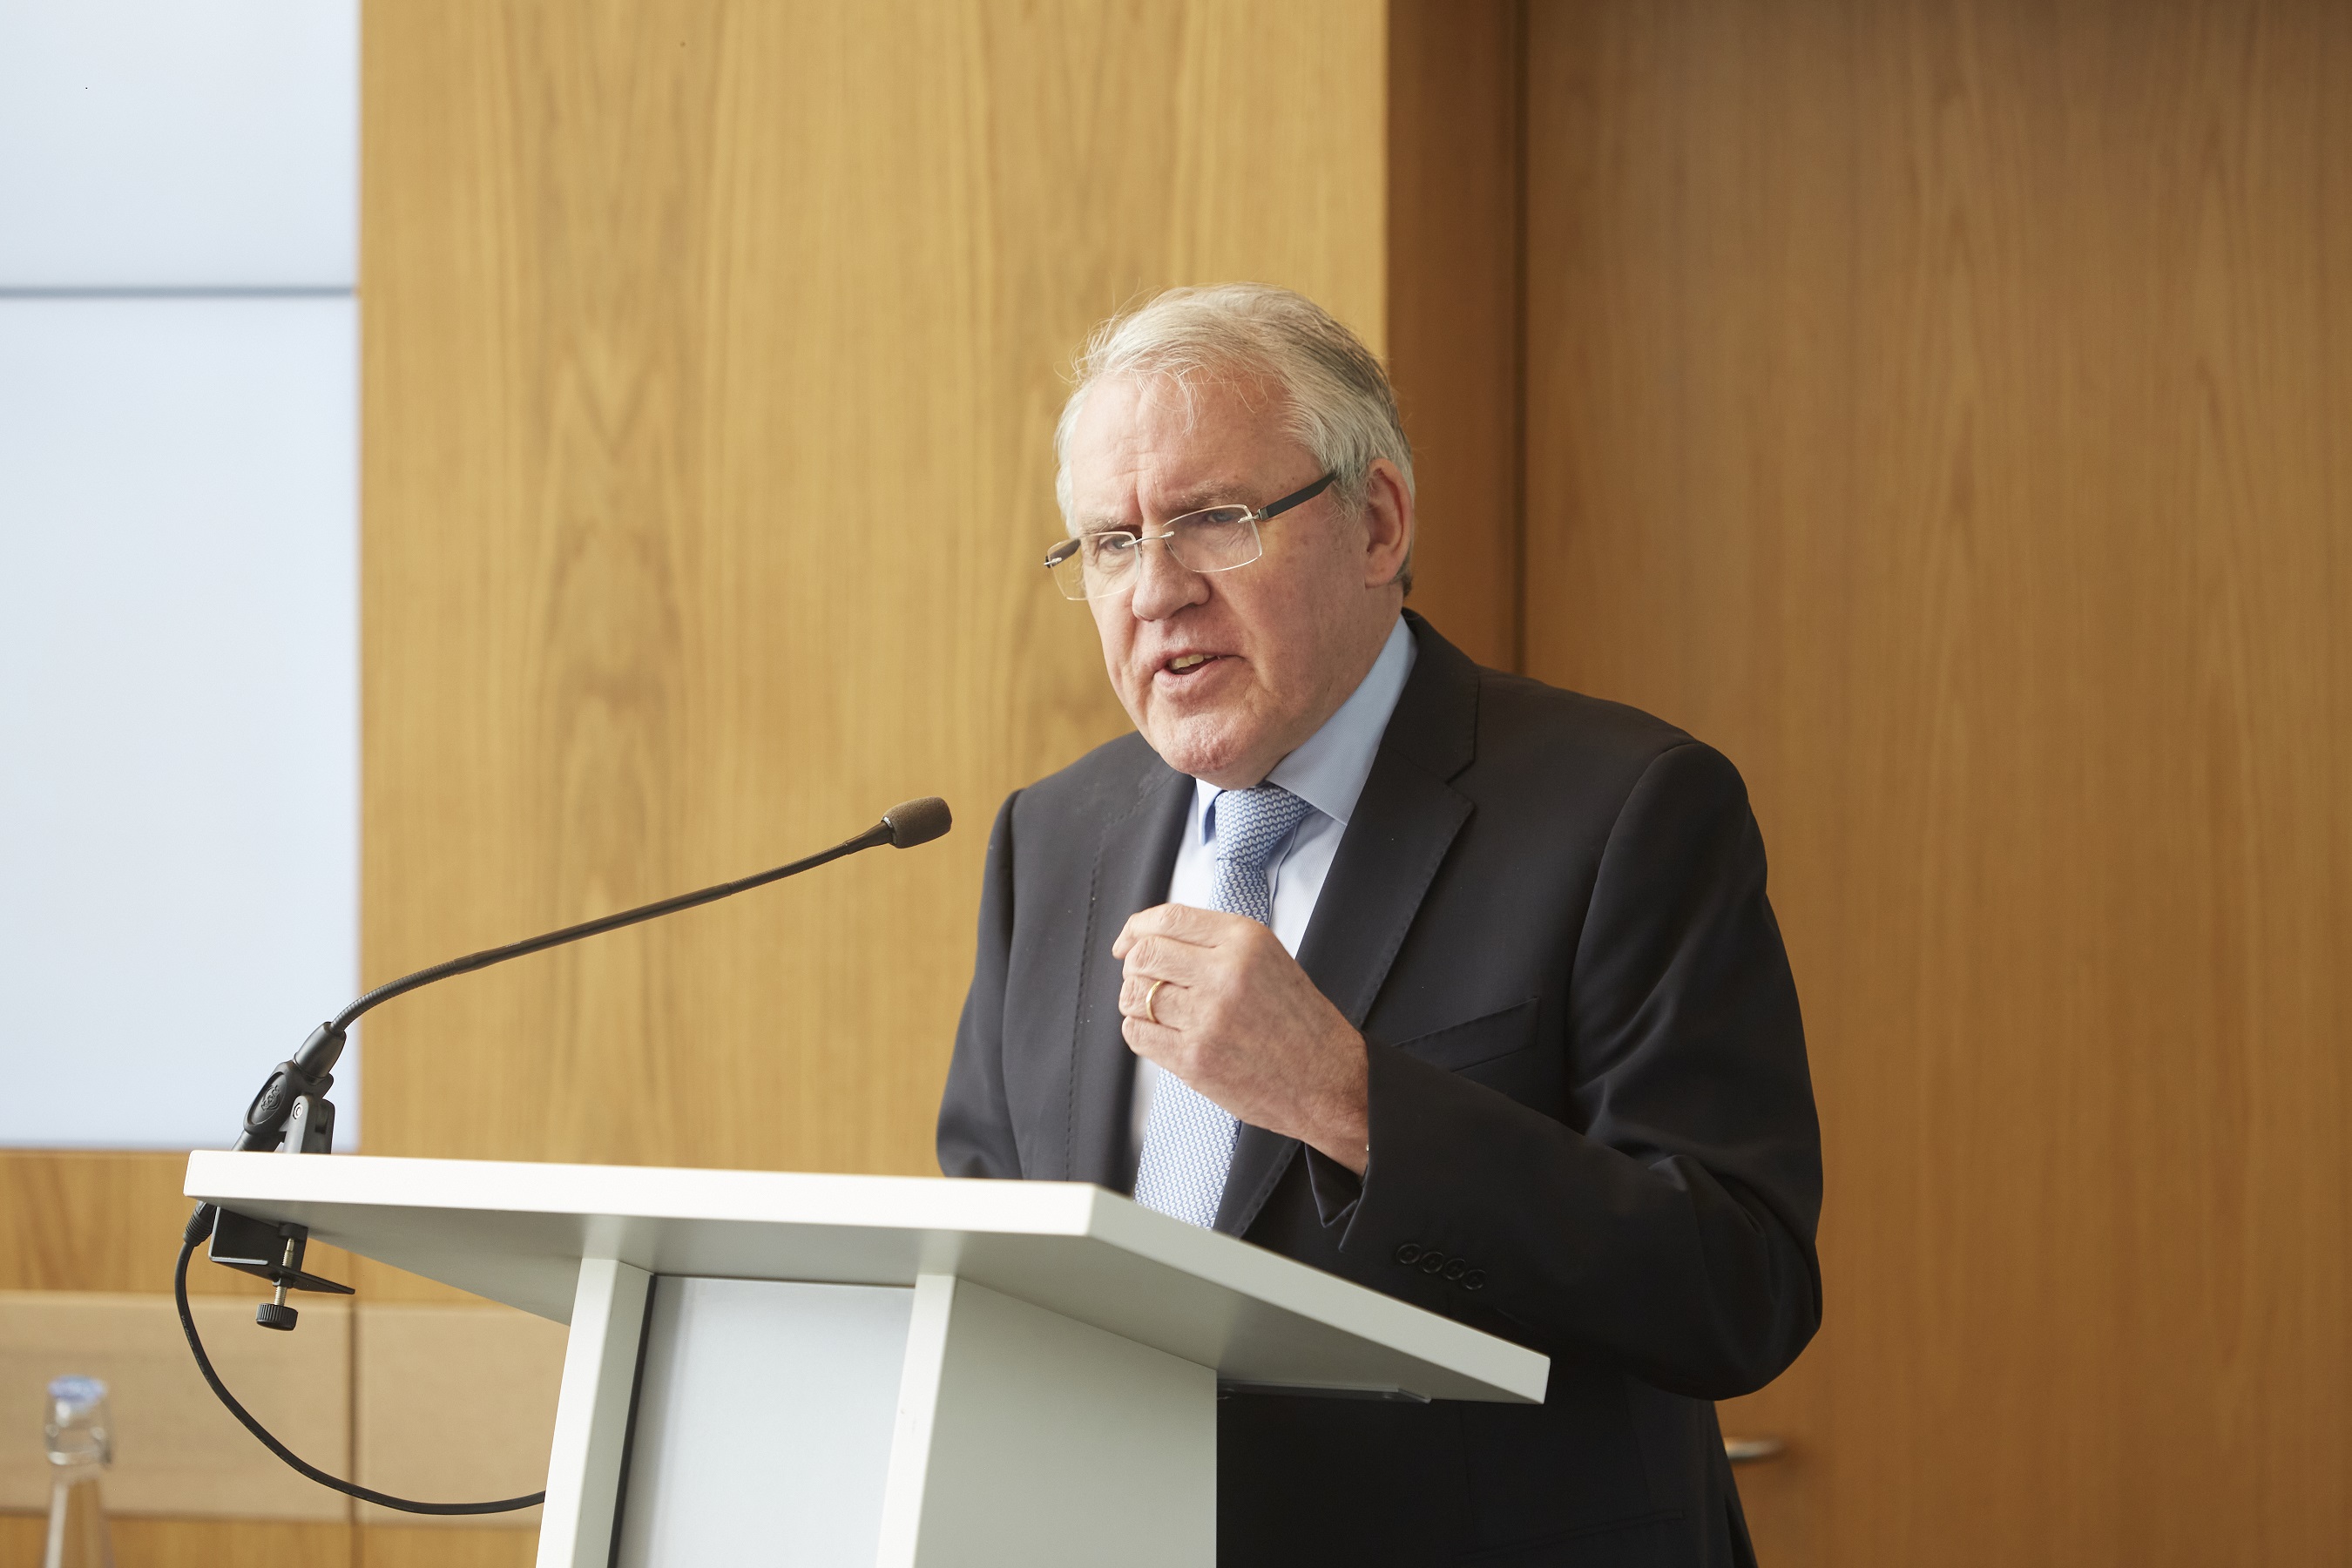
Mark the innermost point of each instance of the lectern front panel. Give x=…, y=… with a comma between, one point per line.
x=763, y=1424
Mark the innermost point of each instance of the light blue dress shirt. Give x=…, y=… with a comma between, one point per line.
x=1328, y=772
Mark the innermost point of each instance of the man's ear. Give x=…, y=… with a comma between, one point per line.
x=1388, y=524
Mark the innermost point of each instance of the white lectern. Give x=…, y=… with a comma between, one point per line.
x=773, y=1367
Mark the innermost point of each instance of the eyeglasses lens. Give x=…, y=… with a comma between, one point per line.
x=1217, y=540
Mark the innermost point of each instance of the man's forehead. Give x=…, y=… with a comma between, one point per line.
x=1161, y=446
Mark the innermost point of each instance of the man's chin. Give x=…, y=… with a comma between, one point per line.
x=1205, y=745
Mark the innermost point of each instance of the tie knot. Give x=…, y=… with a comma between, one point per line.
x=1252, y=822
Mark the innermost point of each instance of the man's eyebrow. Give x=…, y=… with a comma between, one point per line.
x=1200, y=497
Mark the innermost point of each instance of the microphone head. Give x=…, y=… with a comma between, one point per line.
x=913, y=822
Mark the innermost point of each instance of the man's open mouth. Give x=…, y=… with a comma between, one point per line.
x=1186, y=663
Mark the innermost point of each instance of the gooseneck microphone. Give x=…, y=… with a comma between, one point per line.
x=291, y=1113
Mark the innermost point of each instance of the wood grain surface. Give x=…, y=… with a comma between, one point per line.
x=110, y=1220
x=1455, y=134
x=1942, y=409
x=712, y=357
x=453, y=1401
x=177, y=1453
x=203, y=1543
x=265, y=1543
x=408, y=1546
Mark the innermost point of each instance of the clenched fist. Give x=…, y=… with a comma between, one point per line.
x=1235, y=1017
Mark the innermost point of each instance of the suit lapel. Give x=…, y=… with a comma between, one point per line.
x=1133, y=861
x=1402, y=825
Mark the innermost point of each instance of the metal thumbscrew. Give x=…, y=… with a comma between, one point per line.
x=274, y=1313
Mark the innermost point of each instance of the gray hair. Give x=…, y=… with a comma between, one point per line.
x=1341, y=408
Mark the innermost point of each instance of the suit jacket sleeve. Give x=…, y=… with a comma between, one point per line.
x=975, y=1133
x=1672, y=1229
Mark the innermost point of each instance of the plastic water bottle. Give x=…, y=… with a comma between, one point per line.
x=81, y=1445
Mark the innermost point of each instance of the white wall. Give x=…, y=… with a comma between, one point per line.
x=178, y=558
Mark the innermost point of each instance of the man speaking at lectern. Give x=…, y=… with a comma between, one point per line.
x=1443, y=980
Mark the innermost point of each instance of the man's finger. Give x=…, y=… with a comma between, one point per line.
x=1153, y=1042
x=1164, y=958
x=1181, y=923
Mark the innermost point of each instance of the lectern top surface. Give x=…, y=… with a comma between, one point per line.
x=516, y=1233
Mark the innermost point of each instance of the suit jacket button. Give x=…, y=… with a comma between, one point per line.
x=1408, y=1253
x=1455, y=1269
x=1432, y=1261
x=1473, y=1280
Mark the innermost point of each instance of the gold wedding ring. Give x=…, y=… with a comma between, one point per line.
x=1148, y=998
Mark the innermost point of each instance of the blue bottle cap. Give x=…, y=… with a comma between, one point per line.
x=78, y=1393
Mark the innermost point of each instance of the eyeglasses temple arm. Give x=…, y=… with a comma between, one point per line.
x=1296, y=497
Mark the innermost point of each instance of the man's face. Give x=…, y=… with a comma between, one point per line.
x=1267, y=651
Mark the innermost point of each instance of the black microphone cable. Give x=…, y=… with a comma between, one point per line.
x=269, y=1439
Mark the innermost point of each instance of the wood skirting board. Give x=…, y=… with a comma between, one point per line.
x=270, y=1543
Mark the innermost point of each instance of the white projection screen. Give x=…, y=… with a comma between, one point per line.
x=179, y=784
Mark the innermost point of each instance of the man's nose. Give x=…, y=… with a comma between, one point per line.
x=1163, y=585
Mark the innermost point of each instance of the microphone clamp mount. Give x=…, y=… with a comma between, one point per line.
x=292, y=1115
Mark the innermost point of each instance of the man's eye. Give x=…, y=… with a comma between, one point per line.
x=1110, y=546
x=1215, y=527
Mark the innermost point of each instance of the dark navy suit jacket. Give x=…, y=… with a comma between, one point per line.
x=1592, y=1129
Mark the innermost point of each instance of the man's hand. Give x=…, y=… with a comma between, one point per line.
x=1240, y=1022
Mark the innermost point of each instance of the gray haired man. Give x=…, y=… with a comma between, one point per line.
x=1445, y=981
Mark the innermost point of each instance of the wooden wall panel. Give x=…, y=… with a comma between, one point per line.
x=264, y=1543
x=110, y=1220
x=712, y=355
x=1941, y=408
x=178, y=1453
x=453, y=1402
x=408, y=1546
x=1454, y=135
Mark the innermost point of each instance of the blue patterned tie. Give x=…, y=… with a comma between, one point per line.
x=1188, y=1138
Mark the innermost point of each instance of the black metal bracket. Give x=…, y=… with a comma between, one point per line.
x=273, y=1252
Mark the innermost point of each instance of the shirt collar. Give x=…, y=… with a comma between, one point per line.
x=1328, y=772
